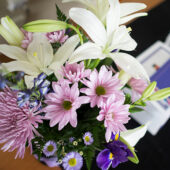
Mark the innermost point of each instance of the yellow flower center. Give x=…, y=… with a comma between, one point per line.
x=72, y=162
x=67, y=105
x=100, y=90
x=87, y=139
x=50, y=148
x=111, y=156
x=35, y=54
x=117, y=136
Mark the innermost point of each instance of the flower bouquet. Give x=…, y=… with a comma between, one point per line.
x=64, y=92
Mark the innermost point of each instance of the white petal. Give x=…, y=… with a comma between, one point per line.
x=130, y=65
x=66, y=50
x=24, y=66
x=129, y=8
x=113, y=16
x=29, y=81
x=134, y=135
x=124, y=20
x=90, y=23
x=56, y=67
x=122, y=40
x=86, y=51
x=40, y=52
x=13, y=52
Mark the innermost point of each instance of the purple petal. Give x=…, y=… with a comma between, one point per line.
x=103, y=159
x=115, y=163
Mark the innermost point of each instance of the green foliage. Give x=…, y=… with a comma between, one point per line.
x=89, y=154
x=60, y=15
x=128, y=99
x=135, y=109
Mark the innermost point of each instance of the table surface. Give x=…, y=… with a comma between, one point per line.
x=29, y=162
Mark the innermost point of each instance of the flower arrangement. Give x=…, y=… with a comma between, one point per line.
x=63, y=94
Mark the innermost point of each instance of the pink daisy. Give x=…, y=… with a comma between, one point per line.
x=75, y=72
x=57, y=36
x=101, y=86
x=63, y=103
x=115, y=115
x=17, y=125
x=28, y=37
x=138, y=86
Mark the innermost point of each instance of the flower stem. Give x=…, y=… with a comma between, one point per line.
x=77, y=31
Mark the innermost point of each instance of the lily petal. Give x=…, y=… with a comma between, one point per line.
x=29, y=81
x=124, y=20
x=134, y=135
x=130, y=65
x=90, y=23
x=40, y=52
x=66, y=50
x=122, y=40
x=86, y=51
x=113, y=16
x=13, y=52
x=129, y=8
x=24, y=66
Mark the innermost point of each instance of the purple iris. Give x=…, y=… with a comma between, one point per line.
x=34, y=95
x=3, y=82
x=115, y=153
x=41, y=84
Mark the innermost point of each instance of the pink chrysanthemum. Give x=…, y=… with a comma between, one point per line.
x=57, y=36
x=138, y=86
x=75, y=72
x=63, y=103
x=28, y=37
x=17, y=125
x=115, y=115
x=101, y=86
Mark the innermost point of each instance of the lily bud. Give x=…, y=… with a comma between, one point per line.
x=124, y=77
x=149, y=90
x=160, y=95
x=10, y=31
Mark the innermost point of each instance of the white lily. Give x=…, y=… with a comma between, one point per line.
x=101, y=7
x=132, y=136
x=106, y=40
x=10, y=32
x=39, y=57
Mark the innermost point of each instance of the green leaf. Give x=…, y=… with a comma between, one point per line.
x=149, y=90
x=132, y=159
x=60, y=15
x=128, y=99
x=45, y=26
x=160, y=95
x=89, y=154
x=135, y=109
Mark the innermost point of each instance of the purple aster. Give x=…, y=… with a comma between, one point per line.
x=88, y=139
x=50, y=162
x=71, y=139
x=72, y=161
x=116, y=152
x=50, y=148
